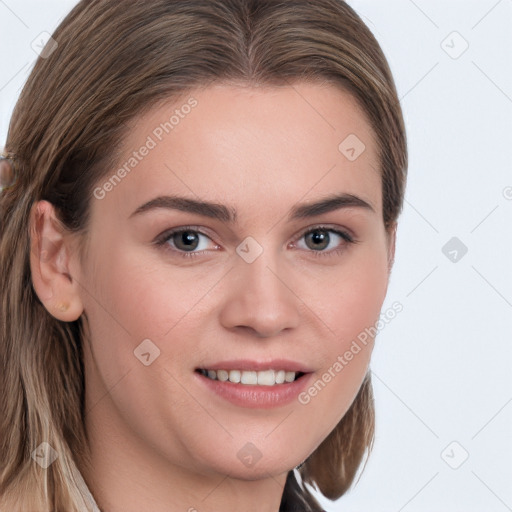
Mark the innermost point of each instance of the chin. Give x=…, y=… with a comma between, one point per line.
x=251, y=470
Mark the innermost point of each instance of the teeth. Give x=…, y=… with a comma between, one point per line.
x=266, y=378
x=249, y=378
x=289, y=376
x=222, y=375
x=262, y=378
x=234, y=376
x=280, y=376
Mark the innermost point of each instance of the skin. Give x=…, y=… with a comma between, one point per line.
x=159, y=441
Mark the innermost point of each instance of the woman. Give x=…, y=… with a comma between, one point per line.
x=201, y=225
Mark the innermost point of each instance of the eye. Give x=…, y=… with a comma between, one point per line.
x=320, y=237
x=185, y=241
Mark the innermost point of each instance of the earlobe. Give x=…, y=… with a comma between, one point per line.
x=49, y=264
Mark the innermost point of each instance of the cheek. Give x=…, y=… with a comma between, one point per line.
x=148, y=297
x=138, y=298
x=130, y=298
x=353, y=294
x=350, y=309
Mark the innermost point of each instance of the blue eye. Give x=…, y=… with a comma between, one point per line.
x=185, y=241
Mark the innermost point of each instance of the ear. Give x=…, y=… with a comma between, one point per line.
x=391, y=240
x=50, y=252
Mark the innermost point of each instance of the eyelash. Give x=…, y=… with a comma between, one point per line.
x=162, y=241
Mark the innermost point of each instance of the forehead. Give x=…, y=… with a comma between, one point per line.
x=250, y=147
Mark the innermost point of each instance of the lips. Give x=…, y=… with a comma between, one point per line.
x=260, y=385
x=254, y=373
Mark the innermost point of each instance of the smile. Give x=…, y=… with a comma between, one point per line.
x=252, y=378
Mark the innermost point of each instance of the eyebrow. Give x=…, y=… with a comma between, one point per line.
x=229, y=215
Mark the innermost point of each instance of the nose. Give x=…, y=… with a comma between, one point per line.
x=260, y=298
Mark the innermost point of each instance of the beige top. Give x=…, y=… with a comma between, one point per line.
x=90, y=502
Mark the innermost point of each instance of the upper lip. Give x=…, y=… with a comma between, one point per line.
x=249, y=365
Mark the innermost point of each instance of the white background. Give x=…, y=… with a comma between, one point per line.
x=442, y=367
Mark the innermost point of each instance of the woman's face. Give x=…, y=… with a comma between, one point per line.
x=251, y=293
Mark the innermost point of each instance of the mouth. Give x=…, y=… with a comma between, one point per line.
x=270, y=377
x=255, y=384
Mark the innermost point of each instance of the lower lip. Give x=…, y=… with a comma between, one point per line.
x=254, y=396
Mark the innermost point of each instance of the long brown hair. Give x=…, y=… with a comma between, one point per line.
x=111, y=62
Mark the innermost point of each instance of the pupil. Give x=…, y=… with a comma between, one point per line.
x=189, y=239
x=319, y=237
